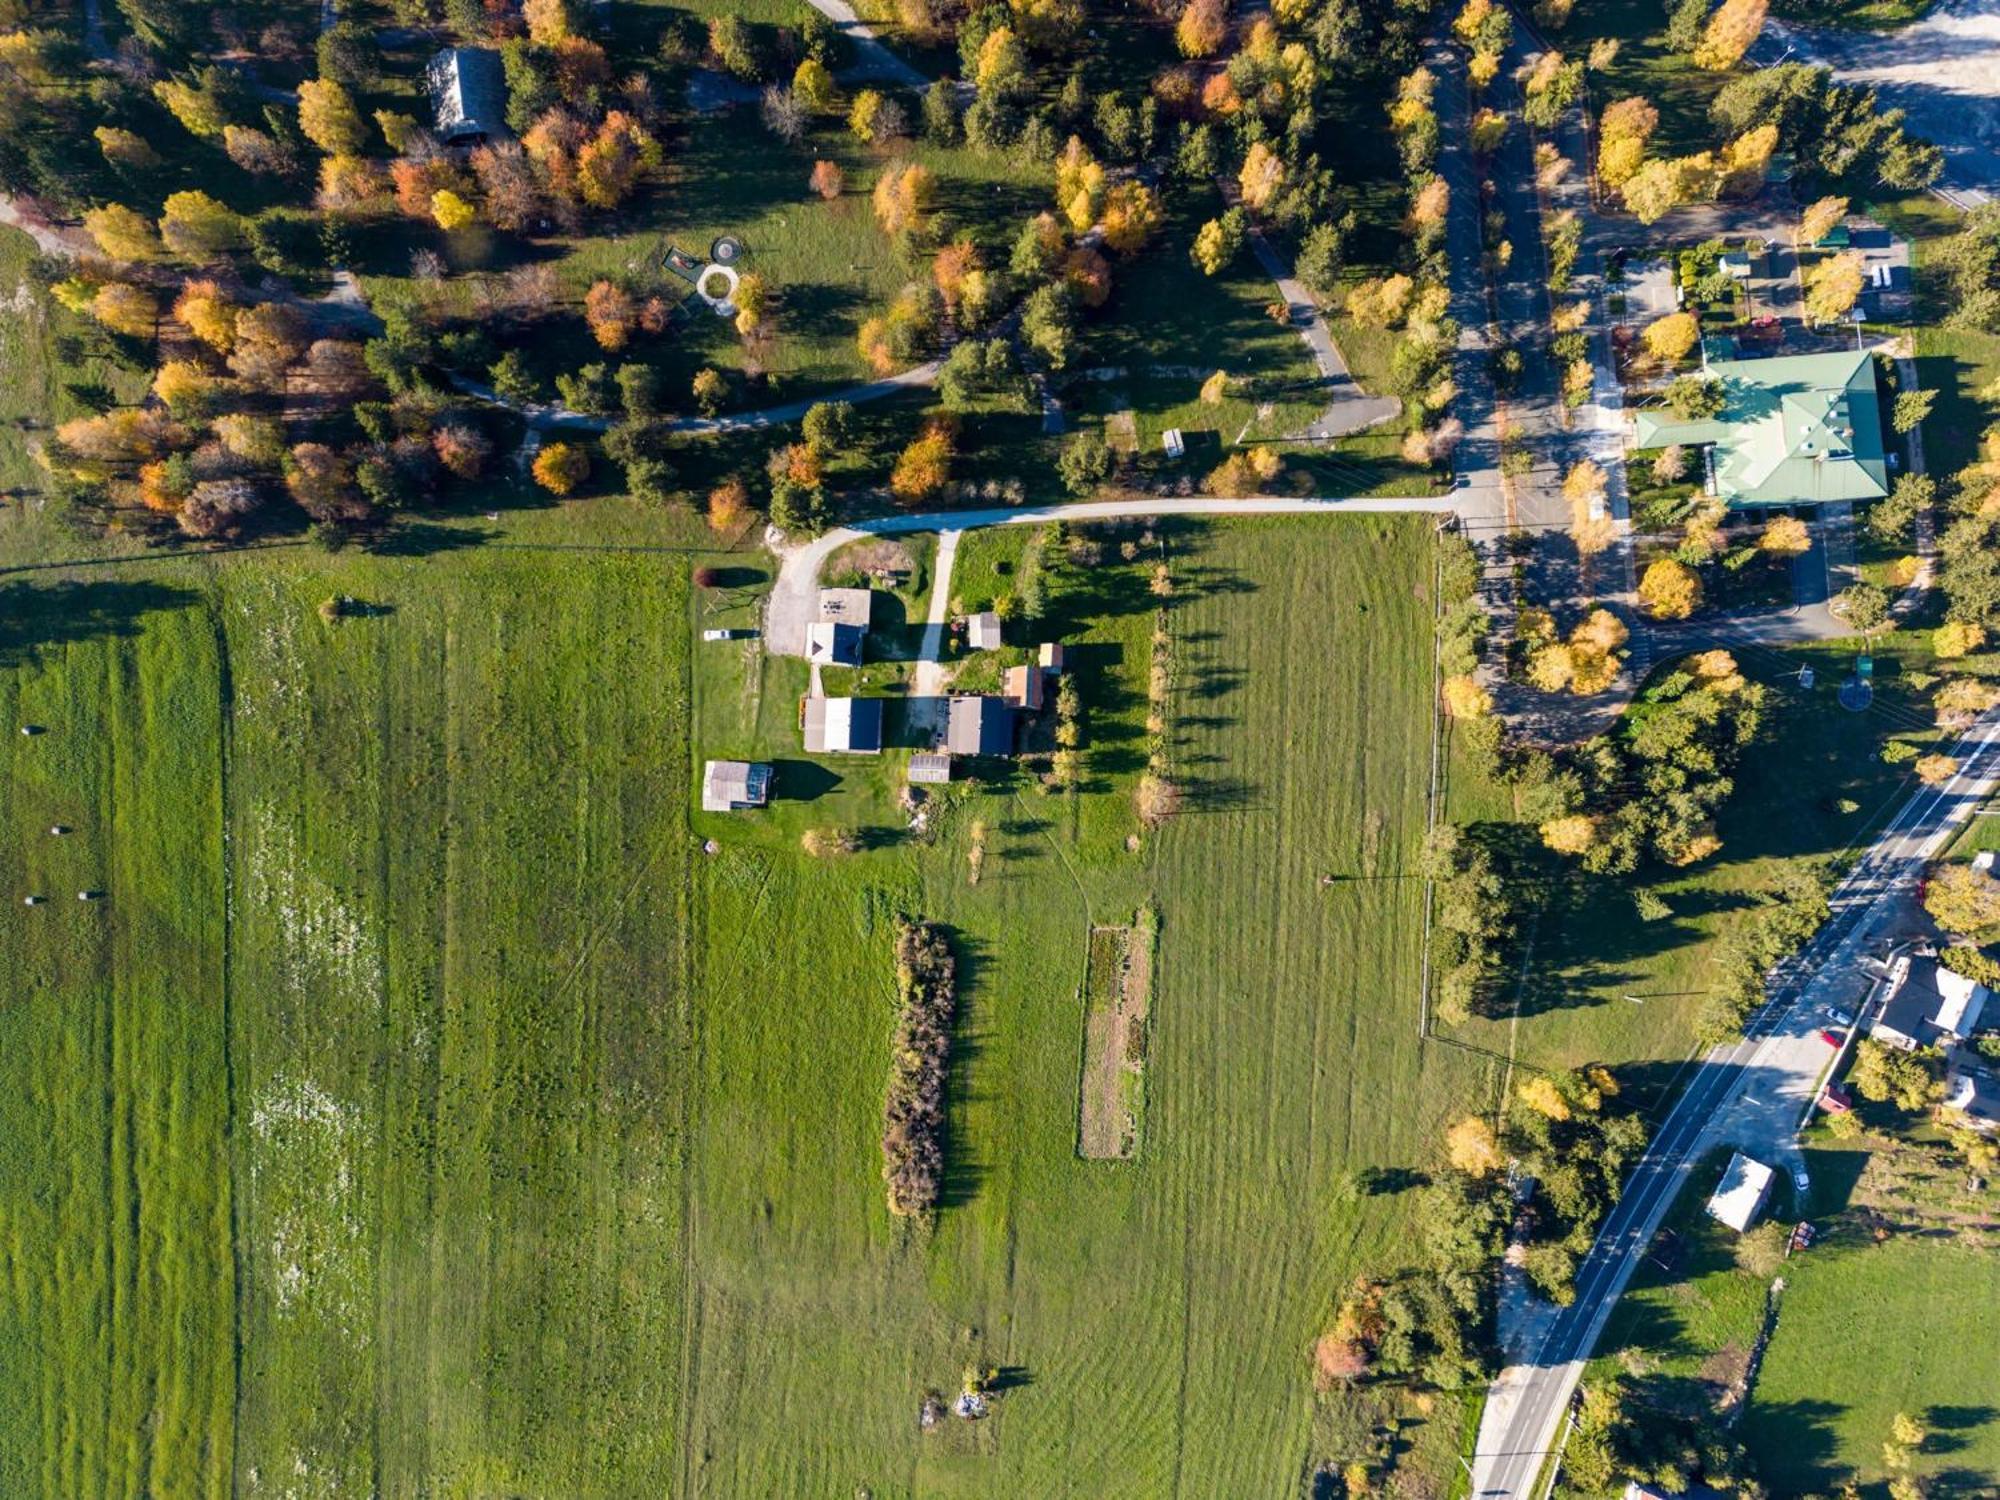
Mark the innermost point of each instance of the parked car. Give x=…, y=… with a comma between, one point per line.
x=1838, y=1016
x=1832, y=1038
x=1800, y=1181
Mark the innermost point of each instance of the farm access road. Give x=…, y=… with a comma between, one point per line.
x=1753, y=1094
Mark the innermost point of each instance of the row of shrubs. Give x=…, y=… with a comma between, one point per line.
x=919, y=1062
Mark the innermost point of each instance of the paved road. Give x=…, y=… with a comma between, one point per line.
x=1751, y=1094
x=871, y=58
x=794, y=598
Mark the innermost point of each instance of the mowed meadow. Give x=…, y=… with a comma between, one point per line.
x=422, y=1112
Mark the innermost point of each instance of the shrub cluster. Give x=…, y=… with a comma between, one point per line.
x=919, y=1058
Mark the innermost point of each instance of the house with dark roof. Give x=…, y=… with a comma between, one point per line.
x=1928, y=1005
x=982, y=725
x=1805, y=429
x=834, y=645
x=843, y=726
x=468, y=88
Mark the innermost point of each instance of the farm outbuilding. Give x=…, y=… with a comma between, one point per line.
x=1051, y=657
x=982, y=631
x=843, y=726
x=834, y=645
x=982, y=725
x=468, y=88
x=734, y=785
x=1741, y=1193
x=930, y=769
x=1022, y=687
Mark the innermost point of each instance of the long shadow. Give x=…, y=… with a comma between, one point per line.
x=964, y=1170
x=34, y=618
x=1793, y=1442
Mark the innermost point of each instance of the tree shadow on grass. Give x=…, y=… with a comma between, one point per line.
x=1793, y=1442
x=425, y=539
x=964, y=1170
x=34, y=618
x=1949, y=1423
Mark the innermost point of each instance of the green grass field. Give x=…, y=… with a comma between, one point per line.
x=1867, y=1331
x=1863, y=1331
x=422, y=1112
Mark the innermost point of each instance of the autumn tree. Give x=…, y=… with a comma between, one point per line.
x=1261, y=177
x=1653, y=191
x=125, y=309
x=1572, y=834
x=1671, y=338
x=609, y=167
x=1735, y=25
x=1541, y=1095
x=1590, y=523
x=126, y=149
x=1472, y=1148
x=1623, y=129
x=207, y=313
x=196, y=226
x=611, y=313
x=1202, y=27
x=827, y=180
x=269, y=337
x=1218, y=242
x=1785, y=536
x=323, y=484
x=1670, y=590
x=560, y=467
x=461, y=448
x=1956, y=638
x=1819, y=219
x=123, y=233
x=903, y=197
x=728, y=504
x=1464, y=698
x=922, y=468
x=1131, y=215
x=328, y=118
x=1935, y=770
x=1833, y=285
x=1745, y=160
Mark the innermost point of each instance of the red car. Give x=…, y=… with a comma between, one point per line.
x=1833, y=1039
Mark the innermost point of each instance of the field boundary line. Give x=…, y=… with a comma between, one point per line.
x=1431, y=796
x=225, y=733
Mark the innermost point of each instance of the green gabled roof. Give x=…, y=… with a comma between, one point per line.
x=1802, y=430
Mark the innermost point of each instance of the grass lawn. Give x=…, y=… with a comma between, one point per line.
x=1684, y=1331
x=58, y=365
x=1867, y=1331
x=1644, y=65
x=1964, y=369
x=422, y=1111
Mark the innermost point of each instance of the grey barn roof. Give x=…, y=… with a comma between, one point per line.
x=468, y=89
x=979, y=726
x=853, y=725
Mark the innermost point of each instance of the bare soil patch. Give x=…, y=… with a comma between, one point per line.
x=1118, y=985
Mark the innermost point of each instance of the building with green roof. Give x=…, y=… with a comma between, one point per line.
x=1802, y=430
